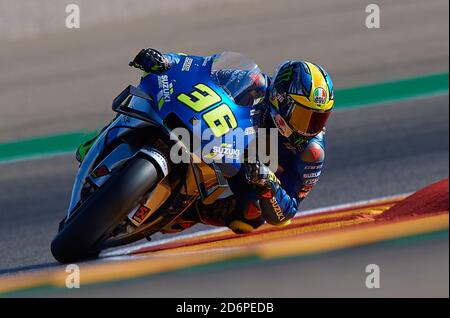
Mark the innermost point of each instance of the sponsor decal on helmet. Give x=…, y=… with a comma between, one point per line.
x=320, y=95
x=285, y=74
x=284, y=129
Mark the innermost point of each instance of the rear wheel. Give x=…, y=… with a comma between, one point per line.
x=94, y=220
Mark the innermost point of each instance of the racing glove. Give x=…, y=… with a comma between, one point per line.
x=276, y=205
x=150, y=61
x=261, y=177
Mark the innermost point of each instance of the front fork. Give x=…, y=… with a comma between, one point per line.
x=90, y=171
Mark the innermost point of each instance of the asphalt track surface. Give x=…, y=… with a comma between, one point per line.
x=335, y=274
x=324, y=236
x=67, y=82
x=371, y=152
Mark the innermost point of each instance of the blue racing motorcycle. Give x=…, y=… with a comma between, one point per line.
x=140, y=174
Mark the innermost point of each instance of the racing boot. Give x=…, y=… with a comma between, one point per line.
x=240, y=218
x=221, y=213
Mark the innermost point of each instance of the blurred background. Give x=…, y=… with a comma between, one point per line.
x=55, y=80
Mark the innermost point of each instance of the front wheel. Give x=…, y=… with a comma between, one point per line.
x=93, y=221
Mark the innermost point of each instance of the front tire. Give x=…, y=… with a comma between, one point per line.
x=106, y=208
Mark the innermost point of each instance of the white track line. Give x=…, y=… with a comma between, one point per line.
x=127, y=251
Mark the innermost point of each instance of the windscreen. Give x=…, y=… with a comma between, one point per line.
x=240, y=77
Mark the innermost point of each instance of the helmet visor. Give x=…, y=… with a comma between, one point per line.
x=307, y=121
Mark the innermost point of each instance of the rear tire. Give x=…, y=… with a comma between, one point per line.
x=106, y=208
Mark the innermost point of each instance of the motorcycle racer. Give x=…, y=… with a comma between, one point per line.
x=297, y=100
